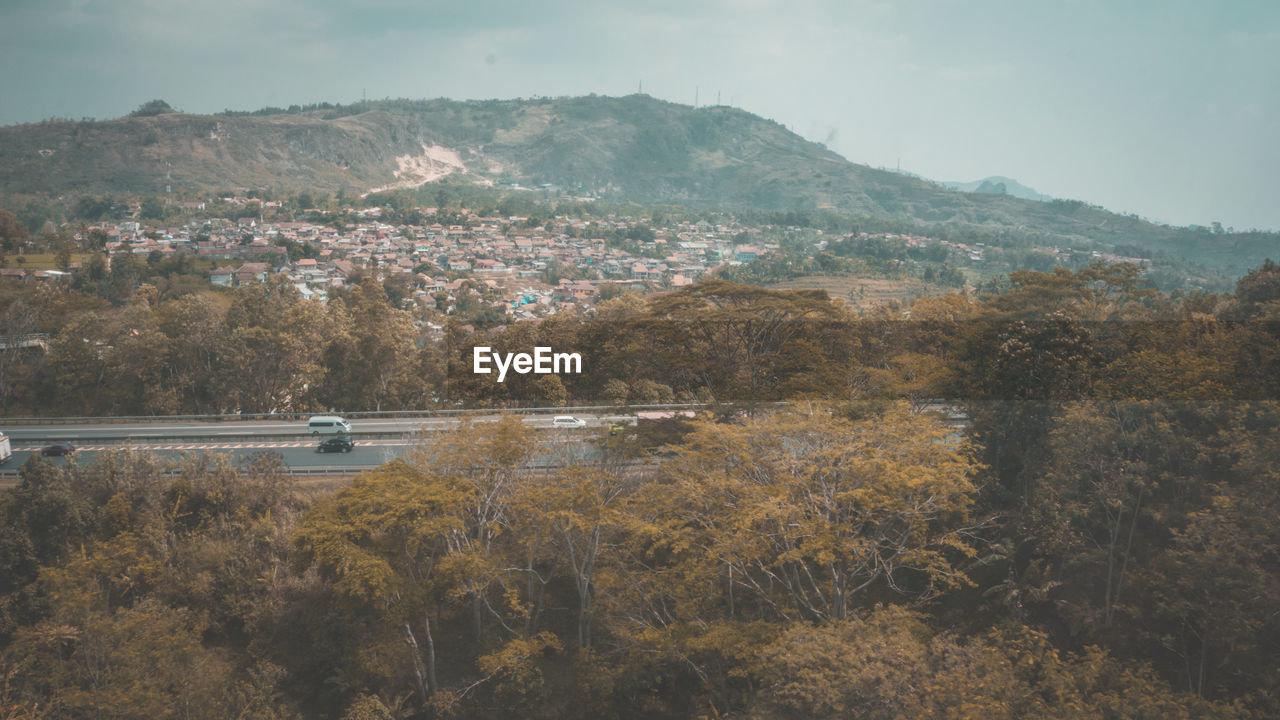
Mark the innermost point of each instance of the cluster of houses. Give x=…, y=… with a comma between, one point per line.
x=528, y=267
x=533, y=268
x=22, y=274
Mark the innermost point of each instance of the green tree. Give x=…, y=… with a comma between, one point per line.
x=551, y=391
x=13, y=234
x=369, y=361
x=272, y=347
x=152, y=208
x=151, y=108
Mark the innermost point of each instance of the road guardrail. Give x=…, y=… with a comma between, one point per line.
x=367, y=414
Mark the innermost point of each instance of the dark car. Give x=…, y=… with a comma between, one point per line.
x=336, y=444
x=58, y=450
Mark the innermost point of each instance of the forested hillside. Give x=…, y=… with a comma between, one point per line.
x=1096, y=538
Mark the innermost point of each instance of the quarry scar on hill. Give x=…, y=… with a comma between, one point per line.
x=413, y=171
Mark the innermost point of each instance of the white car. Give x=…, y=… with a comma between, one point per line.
x=328, y=425
x=568, y=421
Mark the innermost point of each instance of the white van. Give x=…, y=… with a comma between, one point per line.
x=568, y=421
x=328, y=425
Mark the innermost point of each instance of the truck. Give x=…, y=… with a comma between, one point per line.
x=6, y=451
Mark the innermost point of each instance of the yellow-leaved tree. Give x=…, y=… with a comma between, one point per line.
x=800, y=513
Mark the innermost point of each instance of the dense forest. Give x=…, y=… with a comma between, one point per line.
x=113, y=346
x=1096, y=538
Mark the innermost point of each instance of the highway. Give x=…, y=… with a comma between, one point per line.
x=107, y=430
x=377, y=440
x=299, y=455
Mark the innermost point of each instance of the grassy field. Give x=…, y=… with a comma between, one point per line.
x=42, y=261
x=864, y=293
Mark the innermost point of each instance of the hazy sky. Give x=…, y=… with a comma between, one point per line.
x=1169, y=109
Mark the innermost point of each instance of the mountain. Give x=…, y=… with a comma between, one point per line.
x=634, y=148
x=998, y=185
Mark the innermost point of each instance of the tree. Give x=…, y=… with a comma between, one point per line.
x=648, y=392
x=1205, y=600
x=13, y=234
x=615, y=392
x=127, y=273
x=408, y=539
x=63, y=258
x=739, y=341
x=1090, y=503
x=890, y=664
x=272, y=343
x=145, y=661
x=18, y=320
x=380, y=542
x=368, y=364
x=151, y=108
x=802, y=515
x=551, y=391
x=1259, y=288
x=198, y=333
x=74, y=375
x=491, y=461
x=152, y=208
x=580, y=509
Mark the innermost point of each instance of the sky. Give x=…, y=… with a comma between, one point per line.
x=1167, y=109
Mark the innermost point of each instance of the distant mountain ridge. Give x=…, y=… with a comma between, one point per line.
x=634, y=148
x=998, y=185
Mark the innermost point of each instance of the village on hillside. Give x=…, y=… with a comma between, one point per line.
x=525, y=266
